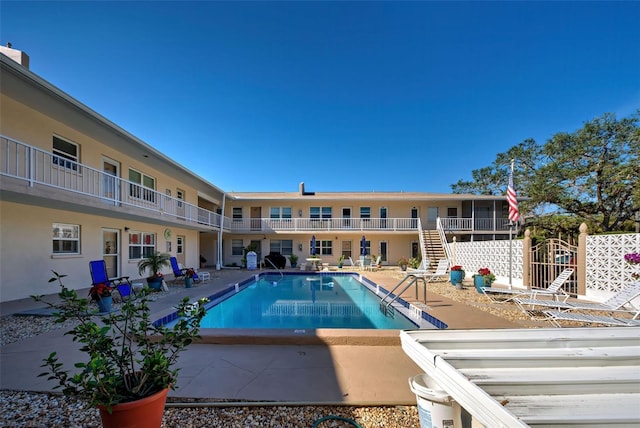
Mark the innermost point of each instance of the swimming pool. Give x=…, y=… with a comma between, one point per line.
x=302, y=301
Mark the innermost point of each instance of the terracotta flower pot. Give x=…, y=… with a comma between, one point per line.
x=144, y=413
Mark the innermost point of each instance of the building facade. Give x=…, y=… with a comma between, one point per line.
x=75, y=187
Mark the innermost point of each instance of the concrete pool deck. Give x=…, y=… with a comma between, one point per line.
x=341, y=369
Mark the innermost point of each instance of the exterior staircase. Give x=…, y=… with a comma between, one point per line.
x=432, y=247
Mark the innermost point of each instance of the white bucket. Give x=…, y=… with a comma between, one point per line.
x=436, y=408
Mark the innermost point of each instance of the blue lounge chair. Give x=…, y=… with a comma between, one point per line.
x=180, y=273
x=98, y=270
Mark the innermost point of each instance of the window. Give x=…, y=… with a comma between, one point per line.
x=141, y=245
x=179, y=244
x=142, y=186
x=323, y=248
x=66, y=238
x=452, y=212
x=277, y=213
x=326, y=248
x=282, y=246
x=65, y=154
x=365, y=212
x=320, y=212
x=237, y=214
x=237, y=247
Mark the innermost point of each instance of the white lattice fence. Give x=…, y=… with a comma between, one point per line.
x=606, y=269
x=492, y=254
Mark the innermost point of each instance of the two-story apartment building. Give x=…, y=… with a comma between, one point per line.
x=75, y=187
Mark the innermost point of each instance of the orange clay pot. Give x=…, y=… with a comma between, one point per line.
x=144, y=413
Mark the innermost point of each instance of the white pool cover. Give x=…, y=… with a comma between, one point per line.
x=561, y=377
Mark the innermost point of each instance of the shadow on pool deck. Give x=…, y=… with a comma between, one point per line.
x=239, y=369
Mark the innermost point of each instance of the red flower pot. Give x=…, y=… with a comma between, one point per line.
x=143, y=413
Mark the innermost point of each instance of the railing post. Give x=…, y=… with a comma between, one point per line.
x=526, y=259
x=32, y=159
x=581, y=264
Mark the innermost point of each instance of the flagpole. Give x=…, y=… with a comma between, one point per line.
x=513, y=215
x=510, y=253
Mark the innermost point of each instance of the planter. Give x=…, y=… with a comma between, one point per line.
x=456, y=277
x=403, y=267
x=188, y=282
x=480, y=282
x=143, y=413
x=104, y=303
x=294, y=264
x=155, y=283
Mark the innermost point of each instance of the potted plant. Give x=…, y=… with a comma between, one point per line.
x=154, y=264
x=483, y=278
x=129, y=361
x=341, y=261
x=189, y=275
x=101, y=293
x=403, y=262
x=456, y=275
x=293, y=259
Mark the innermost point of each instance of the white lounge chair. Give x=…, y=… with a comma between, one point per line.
x=554, y=290
x=422, y=269
x=357, y=263
x=371, y=265
x=555, y=316
x=616, y=303
x=440, y=272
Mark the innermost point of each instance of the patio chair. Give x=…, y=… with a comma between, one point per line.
x=422, y=269
x=98, y=270
x=555, y=316
x=374, y=264
x=179, y=272
x=440, y=272
x=616, y=303
x=357, y=263
x=555, y=290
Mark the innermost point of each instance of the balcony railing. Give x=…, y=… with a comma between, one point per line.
x=474, y=224
x=266, y=225
x=39, y=167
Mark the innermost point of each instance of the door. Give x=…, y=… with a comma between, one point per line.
x=383, y=218
x=432, y=217
x=180, y=203
x=383, y=252
x=256, y=215
x=414, y=218
x=111, y=251
x=180, y=253
x=346, y=217
x=110, y=189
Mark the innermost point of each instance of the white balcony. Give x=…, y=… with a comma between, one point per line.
x=40, y=168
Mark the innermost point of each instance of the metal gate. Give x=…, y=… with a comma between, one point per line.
x=549, y=259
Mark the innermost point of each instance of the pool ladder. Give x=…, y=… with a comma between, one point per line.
x=386, y=308
x=276, y=268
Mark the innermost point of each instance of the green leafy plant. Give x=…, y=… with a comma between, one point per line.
x=293, y=258
x=414, y=263
x=154, y=264
x=127, y=356
x=403, y=261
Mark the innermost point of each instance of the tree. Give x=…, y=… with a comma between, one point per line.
x=591, y=173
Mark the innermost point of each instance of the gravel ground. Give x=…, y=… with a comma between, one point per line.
x=29, y=409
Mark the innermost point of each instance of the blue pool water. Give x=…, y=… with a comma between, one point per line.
x=303, y=302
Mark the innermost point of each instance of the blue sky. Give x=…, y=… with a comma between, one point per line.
x=345, y=96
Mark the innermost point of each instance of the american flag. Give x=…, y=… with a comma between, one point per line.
x=514, y=215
